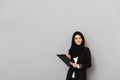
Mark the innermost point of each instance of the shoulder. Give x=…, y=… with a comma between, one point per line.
x=86, y=48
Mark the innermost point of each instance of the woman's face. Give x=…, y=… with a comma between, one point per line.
x=78, y=39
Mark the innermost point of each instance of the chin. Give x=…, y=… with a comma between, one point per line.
x=78, y=44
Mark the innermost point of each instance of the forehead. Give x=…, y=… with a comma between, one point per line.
x=77, y=35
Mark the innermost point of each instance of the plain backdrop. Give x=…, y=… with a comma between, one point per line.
x=32, y=32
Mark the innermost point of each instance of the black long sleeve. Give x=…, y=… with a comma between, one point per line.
x=87, y=63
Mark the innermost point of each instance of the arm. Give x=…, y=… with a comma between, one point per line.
x=79, y=66
x=87, y=63
x=68, y=55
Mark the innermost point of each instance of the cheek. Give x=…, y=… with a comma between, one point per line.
x=80, y=40
x=75, y=41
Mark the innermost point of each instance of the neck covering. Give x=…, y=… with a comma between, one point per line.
x=75, y=49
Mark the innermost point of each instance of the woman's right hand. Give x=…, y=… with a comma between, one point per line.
x=68, y=55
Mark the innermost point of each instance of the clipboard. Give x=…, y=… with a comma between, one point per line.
x=65, y=59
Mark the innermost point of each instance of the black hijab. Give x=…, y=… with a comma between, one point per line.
x=75, y=49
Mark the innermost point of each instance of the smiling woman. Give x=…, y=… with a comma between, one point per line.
x=78, y=39
x=80, y=57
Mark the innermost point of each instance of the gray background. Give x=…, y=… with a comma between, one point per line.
x=32, y=32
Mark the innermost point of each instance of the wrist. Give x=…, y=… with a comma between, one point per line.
x=79, y=66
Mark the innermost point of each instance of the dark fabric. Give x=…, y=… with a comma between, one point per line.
x=73, y=79
x=75, y=49
x=85, y=59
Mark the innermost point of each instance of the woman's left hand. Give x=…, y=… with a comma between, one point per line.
x=74, y=64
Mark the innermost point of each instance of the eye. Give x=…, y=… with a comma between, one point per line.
x=75, y=38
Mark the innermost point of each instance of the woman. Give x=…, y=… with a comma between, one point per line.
x=80, y=57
